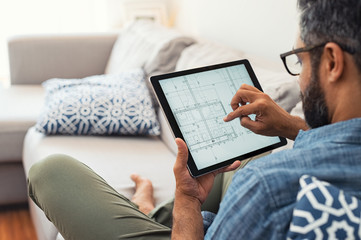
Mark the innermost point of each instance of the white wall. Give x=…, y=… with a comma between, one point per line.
x=262, y=27
x=47, y=16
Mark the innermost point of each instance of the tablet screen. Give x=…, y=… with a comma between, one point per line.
x=199, y=101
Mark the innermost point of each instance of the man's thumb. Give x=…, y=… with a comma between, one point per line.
x=182, y=150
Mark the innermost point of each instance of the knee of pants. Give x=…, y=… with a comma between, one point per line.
x=43, y=172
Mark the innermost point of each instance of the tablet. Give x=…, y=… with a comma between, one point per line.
x=195, y=102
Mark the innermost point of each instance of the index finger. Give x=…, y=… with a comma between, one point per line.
x=249, y=87
x=241, y=111
x=244, y=95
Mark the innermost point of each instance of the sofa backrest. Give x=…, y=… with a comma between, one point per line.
x=34, y=59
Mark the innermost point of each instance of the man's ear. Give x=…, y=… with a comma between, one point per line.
x=334, y=60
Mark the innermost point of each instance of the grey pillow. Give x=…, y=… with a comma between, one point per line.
x=141, y=44
x=165, y=60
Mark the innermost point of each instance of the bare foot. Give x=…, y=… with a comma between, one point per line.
x=143, y=195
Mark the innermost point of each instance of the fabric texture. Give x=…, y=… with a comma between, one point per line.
x=116, y=104
x=324, y=212
x=262, y=196
x=281, y=87
x=36, y=58
x=145, y=43
x=206, y=53
x=167, y=56
x=20, y=107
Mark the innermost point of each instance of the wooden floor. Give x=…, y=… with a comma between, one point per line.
x=15, y=223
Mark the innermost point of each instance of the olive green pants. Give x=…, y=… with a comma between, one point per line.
x=83, y=206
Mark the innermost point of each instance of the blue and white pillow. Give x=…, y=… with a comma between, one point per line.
x=324, y=212
x=118, y=104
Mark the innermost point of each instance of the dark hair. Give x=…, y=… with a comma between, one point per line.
x=336, y=21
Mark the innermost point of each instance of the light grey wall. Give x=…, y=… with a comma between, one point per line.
x=262, y=27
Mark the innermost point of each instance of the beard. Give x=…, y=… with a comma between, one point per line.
x=314, y=103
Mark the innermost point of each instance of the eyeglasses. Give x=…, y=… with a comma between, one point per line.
x=292, y=62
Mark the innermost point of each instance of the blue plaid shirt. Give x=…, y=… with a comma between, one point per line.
x=261, y=197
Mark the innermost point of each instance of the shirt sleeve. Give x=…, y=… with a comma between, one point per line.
x=244, y=210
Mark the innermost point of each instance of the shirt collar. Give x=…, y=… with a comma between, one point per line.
x=345, y=131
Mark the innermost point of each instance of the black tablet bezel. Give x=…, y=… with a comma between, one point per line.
x=194, y=171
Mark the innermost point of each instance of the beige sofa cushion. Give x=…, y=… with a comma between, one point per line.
x=36, y=58
x=19, y=109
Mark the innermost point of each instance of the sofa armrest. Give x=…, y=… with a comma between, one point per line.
x=34, y=59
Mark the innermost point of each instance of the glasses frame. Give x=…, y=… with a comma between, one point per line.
x=295, y=51
x=309, y=48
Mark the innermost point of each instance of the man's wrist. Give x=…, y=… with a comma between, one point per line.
x=190, y=201
x=187, y=218
x=295, y=124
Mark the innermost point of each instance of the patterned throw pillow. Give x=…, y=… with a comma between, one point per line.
x=324, y=212
x=117, y=104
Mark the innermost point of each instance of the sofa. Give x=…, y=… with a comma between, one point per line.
x=16, y=117
x=141, y=45
x=34, y=59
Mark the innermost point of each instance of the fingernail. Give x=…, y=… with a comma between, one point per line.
x=177, y=141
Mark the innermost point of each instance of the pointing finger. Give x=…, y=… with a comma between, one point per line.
x=241, y=111
x=242, y=97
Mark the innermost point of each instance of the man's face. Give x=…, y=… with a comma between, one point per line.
x=314, y=103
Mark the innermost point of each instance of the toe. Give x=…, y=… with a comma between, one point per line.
x=135, y=178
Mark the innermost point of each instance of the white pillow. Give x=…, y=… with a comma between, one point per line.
x=206, y=53
x=298, y=110
x=280, y=86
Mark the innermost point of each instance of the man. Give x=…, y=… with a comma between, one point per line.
x=261, y=197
